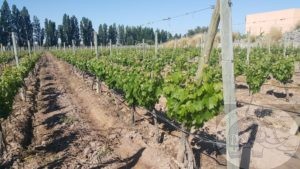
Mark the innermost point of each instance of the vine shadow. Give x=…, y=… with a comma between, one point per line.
x=208, y=148
x=132, y=161
x=278, y=95
x=247, y=147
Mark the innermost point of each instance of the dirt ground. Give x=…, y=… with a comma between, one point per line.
x=65, y=124
x=265, y=120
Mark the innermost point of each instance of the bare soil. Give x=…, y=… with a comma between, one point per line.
x=64, y=123
x=265, y=120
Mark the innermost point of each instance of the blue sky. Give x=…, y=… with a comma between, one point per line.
x=138, y=12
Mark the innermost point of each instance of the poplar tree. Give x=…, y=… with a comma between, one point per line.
x=15, y=24
x=50, y=33
x=5, y=23
x=25, y=27
x=105, y=34
x=86, y=29
x=37, y=31
x=101, y=35
x=112, y=33
x=75, y=30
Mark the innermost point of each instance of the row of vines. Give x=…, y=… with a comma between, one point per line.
x=143, y=77
x=11, y=79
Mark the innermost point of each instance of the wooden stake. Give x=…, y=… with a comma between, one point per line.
x=73, y=46
x=210, y=37
x=97, y=56
x=156, y=43
x=248, y=48
x=232, y=138
x=15, y=48
x=110, y=48
x=96, y=45
x=29, y=50
x=133, y=115
x=287, y=98
x=284, y=46
x=156, y=127
x=143, y=48
x=17, y=60
x=182, y=149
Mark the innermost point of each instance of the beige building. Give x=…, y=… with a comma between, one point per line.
x=284, y=20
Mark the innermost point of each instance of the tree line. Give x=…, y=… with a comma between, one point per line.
x=198, y=29
x=70, y=31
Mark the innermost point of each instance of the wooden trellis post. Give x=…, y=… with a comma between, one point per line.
x=156, y=43
x=73, y=46
x=248, y=47
x=29, y=50
x=17, y=60
x=101, y=49
x=15, y=48
x=210, y=37
x=156, y=126
x=232, y=137
x=143, y=48
x=97, y=56
x=284, y=46
x=110, y=48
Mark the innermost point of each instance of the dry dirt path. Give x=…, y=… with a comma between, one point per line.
x=65, y=124
x=73, y=127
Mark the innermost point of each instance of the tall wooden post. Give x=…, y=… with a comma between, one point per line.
x=101, y=49
x=232, y=138
x=284, y=46
x=29, y=50
x=110, y=47
x=96, y=44
x=17, y=60
x=209, y=40
x=15, y=48
x=73, y=46
x=156, y=43
x=97, y=56
x=156, y=126
x=64, y=46
x=143, y=48
x=248, y=47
